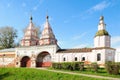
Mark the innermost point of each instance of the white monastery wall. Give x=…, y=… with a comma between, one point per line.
x=70, y=57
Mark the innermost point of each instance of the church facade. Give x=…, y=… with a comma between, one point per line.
x=43, y=51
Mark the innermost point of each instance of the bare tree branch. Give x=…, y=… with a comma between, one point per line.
x=7, y=36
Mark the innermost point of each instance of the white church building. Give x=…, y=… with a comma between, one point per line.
x=43, y=51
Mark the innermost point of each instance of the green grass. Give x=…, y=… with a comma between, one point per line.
x=36, y=74
x=101, y=72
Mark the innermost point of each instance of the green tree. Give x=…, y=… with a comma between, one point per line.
x=7, y=37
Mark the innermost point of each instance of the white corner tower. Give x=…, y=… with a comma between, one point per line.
x=102, y=51
x=102, y=37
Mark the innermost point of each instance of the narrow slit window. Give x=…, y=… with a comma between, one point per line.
x=75, y=58
x=98, y=57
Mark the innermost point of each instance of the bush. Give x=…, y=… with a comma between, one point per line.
x=95, y=67
x=77, y=66
x=69, y=65
x=88, y=67
x=112, y=68
x=81, y=67
x=56, y=66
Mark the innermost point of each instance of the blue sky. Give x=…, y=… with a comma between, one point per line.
x=74, y=22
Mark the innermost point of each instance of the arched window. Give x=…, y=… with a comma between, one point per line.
x=98, y=57
x=83, y=58
x=64, y=59
x=75, y=58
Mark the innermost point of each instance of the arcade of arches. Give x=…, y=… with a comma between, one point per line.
x=43, y=60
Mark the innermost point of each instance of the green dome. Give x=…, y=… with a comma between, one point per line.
x=101, y=33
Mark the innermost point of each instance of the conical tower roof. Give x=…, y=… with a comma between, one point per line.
x=30, y=30
x=47, y=31
x=47, y=34
x=30, y=35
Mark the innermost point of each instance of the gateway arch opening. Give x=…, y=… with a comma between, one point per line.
x=25, y=62
x=43, y=60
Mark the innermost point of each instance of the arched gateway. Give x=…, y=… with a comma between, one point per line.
x=25, y=62
x=43, y=60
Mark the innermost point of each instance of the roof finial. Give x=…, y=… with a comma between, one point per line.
x=101, y=17
x=47, y=15
x=31, y=18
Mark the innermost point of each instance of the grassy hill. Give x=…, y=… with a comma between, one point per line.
x=35, y=74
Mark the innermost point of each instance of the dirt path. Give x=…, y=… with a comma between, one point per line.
x=87, y=75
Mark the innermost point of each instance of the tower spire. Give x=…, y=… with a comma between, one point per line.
x=47, y=17
x=47, y=36
x=30, y=36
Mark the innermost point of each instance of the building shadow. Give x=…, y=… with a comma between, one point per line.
x=4, y=75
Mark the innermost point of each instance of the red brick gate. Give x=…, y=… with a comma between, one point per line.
x=25, y=62
x=43, y=60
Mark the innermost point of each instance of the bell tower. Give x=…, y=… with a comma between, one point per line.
x=30, y=35
x=47, y=36
x=102, y=37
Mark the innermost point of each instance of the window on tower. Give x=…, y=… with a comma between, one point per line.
x=98, y=57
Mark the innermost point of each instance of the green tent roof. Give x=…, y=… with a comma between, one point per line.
x=101, y=33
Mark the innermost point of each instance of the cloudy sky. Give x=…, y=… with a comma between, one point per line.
x=74, y=22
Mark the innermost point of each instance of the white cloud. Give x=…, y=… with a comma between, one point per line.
x=82, y=45
x=79, y=36
x=37, y=5
x=118, y=49
x=42, y=25
x=66, y=21
x=116, y=42
x=26, y=13
x=41, y=1
x=61, y=42
x=50, y=18
x=8, y=5
x=99, y=7
x=23, y=4
x=35, y=8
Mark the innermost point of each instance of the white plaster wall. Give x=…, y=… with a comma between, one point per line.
x=102, y=41
x=94, y=56
x=109, y=55
x=6, y=60
x=36, y=50
x=70, y=57
x=117, y=56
